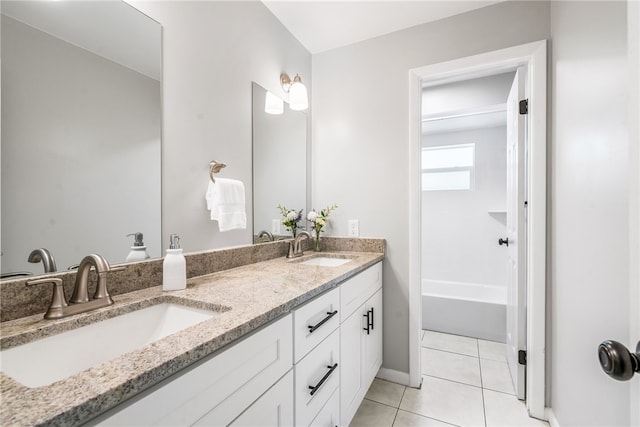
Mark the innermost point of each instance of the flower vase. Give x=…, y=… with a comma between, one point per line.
x=317, y=247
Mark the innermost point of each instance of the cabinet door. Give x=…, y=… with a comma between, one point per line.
x=373, y=341
x=273, y=409
x=220, y=387
x=356, y=290
x=352, y=389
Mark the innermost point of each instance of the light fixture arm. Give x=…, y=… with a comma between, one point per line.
x=286, y=82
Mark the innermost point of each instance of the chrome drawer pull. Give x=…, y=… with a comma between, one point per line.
x=330, y=314
x=317, y=386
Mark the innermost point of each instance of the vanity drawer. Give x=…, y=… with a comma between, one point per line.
x=315, y=321
x=329, y=415
x=355, y=291
x=319, y=369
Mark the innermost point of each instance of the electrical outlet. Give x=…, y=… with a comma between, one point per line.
x=353, y=228
x=275, y=226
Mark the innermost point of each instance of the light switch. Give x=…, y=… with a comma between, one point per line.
x=275, y=226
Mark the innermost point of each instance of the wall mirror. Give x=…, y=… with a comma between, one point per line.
x=81, y=131
x=279, y=166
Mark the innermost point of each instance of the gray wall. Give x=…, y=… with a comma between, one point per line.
x=360, y=147
x=212, y=52
x=589, y=209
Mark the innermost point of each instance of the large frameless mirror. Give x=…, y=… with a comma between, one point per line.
x=81, y=131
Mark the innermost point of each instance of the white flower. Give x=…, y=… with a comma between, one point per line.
x=292, y=215
x=321, y=222
x=312, y=216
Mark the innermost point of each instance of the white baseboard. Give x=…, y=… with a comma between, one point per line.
x=551, y=417
x=393, y=376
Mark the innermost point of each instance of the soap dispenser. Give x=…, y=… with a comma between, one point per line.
x=138, y=250
x=174, y=267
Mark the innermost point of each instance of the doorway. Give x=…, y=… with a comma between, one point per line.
x=470, y=262
x=531, y=58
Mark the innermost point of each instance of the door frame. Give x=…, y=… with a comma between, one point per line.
x=533, y=56
x=633, y=46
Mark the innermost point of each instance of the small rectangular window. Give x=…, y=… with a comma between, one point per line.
x=448, y=167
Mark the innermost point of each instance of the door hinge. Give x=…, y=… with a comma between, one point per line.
x=522, y=357
x=524, y=106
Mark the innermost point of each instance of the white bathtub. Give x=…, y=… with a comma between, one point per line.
x=469, y=309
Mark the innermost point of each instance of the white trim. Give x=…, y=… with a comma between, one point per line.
x=394, y=376
x=551, y=417
x=534, y=57
x=633, y=46
x=415, y=225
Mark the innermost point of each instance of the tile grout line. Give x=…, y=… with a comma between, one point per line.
x=448, y=351
x=484, y=407
x=454, y=381
x=398, y=408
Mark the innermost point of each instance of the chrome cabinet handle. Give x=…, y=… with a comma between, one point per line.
x=502, y=241
x=330, y=314
x=617, y=361
x=315, y=388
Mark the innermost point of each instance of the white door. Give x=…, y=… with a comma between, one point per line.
x=516, y=244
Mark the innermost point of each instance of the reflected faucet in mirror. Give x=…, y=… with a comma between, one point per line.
x=80, y=302
x=43, y=254
x=265, y=233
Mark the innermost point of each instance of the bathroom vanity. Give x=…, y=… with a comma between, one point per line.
x=292, y=342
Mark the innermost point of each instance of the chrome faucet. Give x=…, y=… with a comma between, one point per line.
x=264, y=233
x=295, y=247
x=45, y=256
x=79, y=302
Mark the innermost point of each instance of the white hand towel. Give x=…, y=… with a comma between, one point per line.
x=225, y=200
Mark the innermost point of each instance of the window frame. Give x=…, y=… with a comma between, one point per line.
x=470, y=168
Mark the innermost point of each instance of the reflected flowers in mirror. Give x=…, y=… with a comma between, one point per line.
x=290, y=219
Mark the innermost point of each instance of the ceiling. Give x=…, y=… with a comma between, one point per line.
x=322, y=25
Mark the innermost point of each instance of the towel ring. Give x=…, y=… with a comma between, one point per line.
x=215, y=167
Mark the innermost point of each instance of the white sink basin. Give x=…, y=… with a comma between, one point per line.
x=326, y=261
x=54, y=358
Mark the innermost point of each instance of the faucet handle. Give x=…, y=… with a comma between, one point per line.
x=57, y=298
x=119, y=268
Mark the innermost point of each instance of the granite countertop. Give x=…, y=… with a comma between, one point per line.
x=246, y=298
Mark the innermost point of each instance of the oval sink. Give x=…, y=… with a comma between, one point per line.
x=326, y=261
x=57, y=357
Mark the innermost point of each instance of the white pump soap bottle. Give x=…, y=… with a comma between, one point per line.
x=138, y=250
x=174, y=267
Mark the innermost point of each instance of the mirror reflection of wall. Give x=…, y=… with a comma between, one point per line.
x=279, y=164
x=81, y=132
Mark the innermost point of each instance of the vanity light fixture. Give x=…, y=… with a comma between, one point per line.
x=273, y=104
x=298, y=99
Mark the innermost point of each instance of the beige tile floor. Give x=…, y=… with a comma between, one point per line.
x=465, y=382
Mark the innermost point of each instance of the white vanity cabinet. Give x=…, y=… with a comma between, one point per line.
x=310, y=368
x=219, y=389
x=360, y=338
